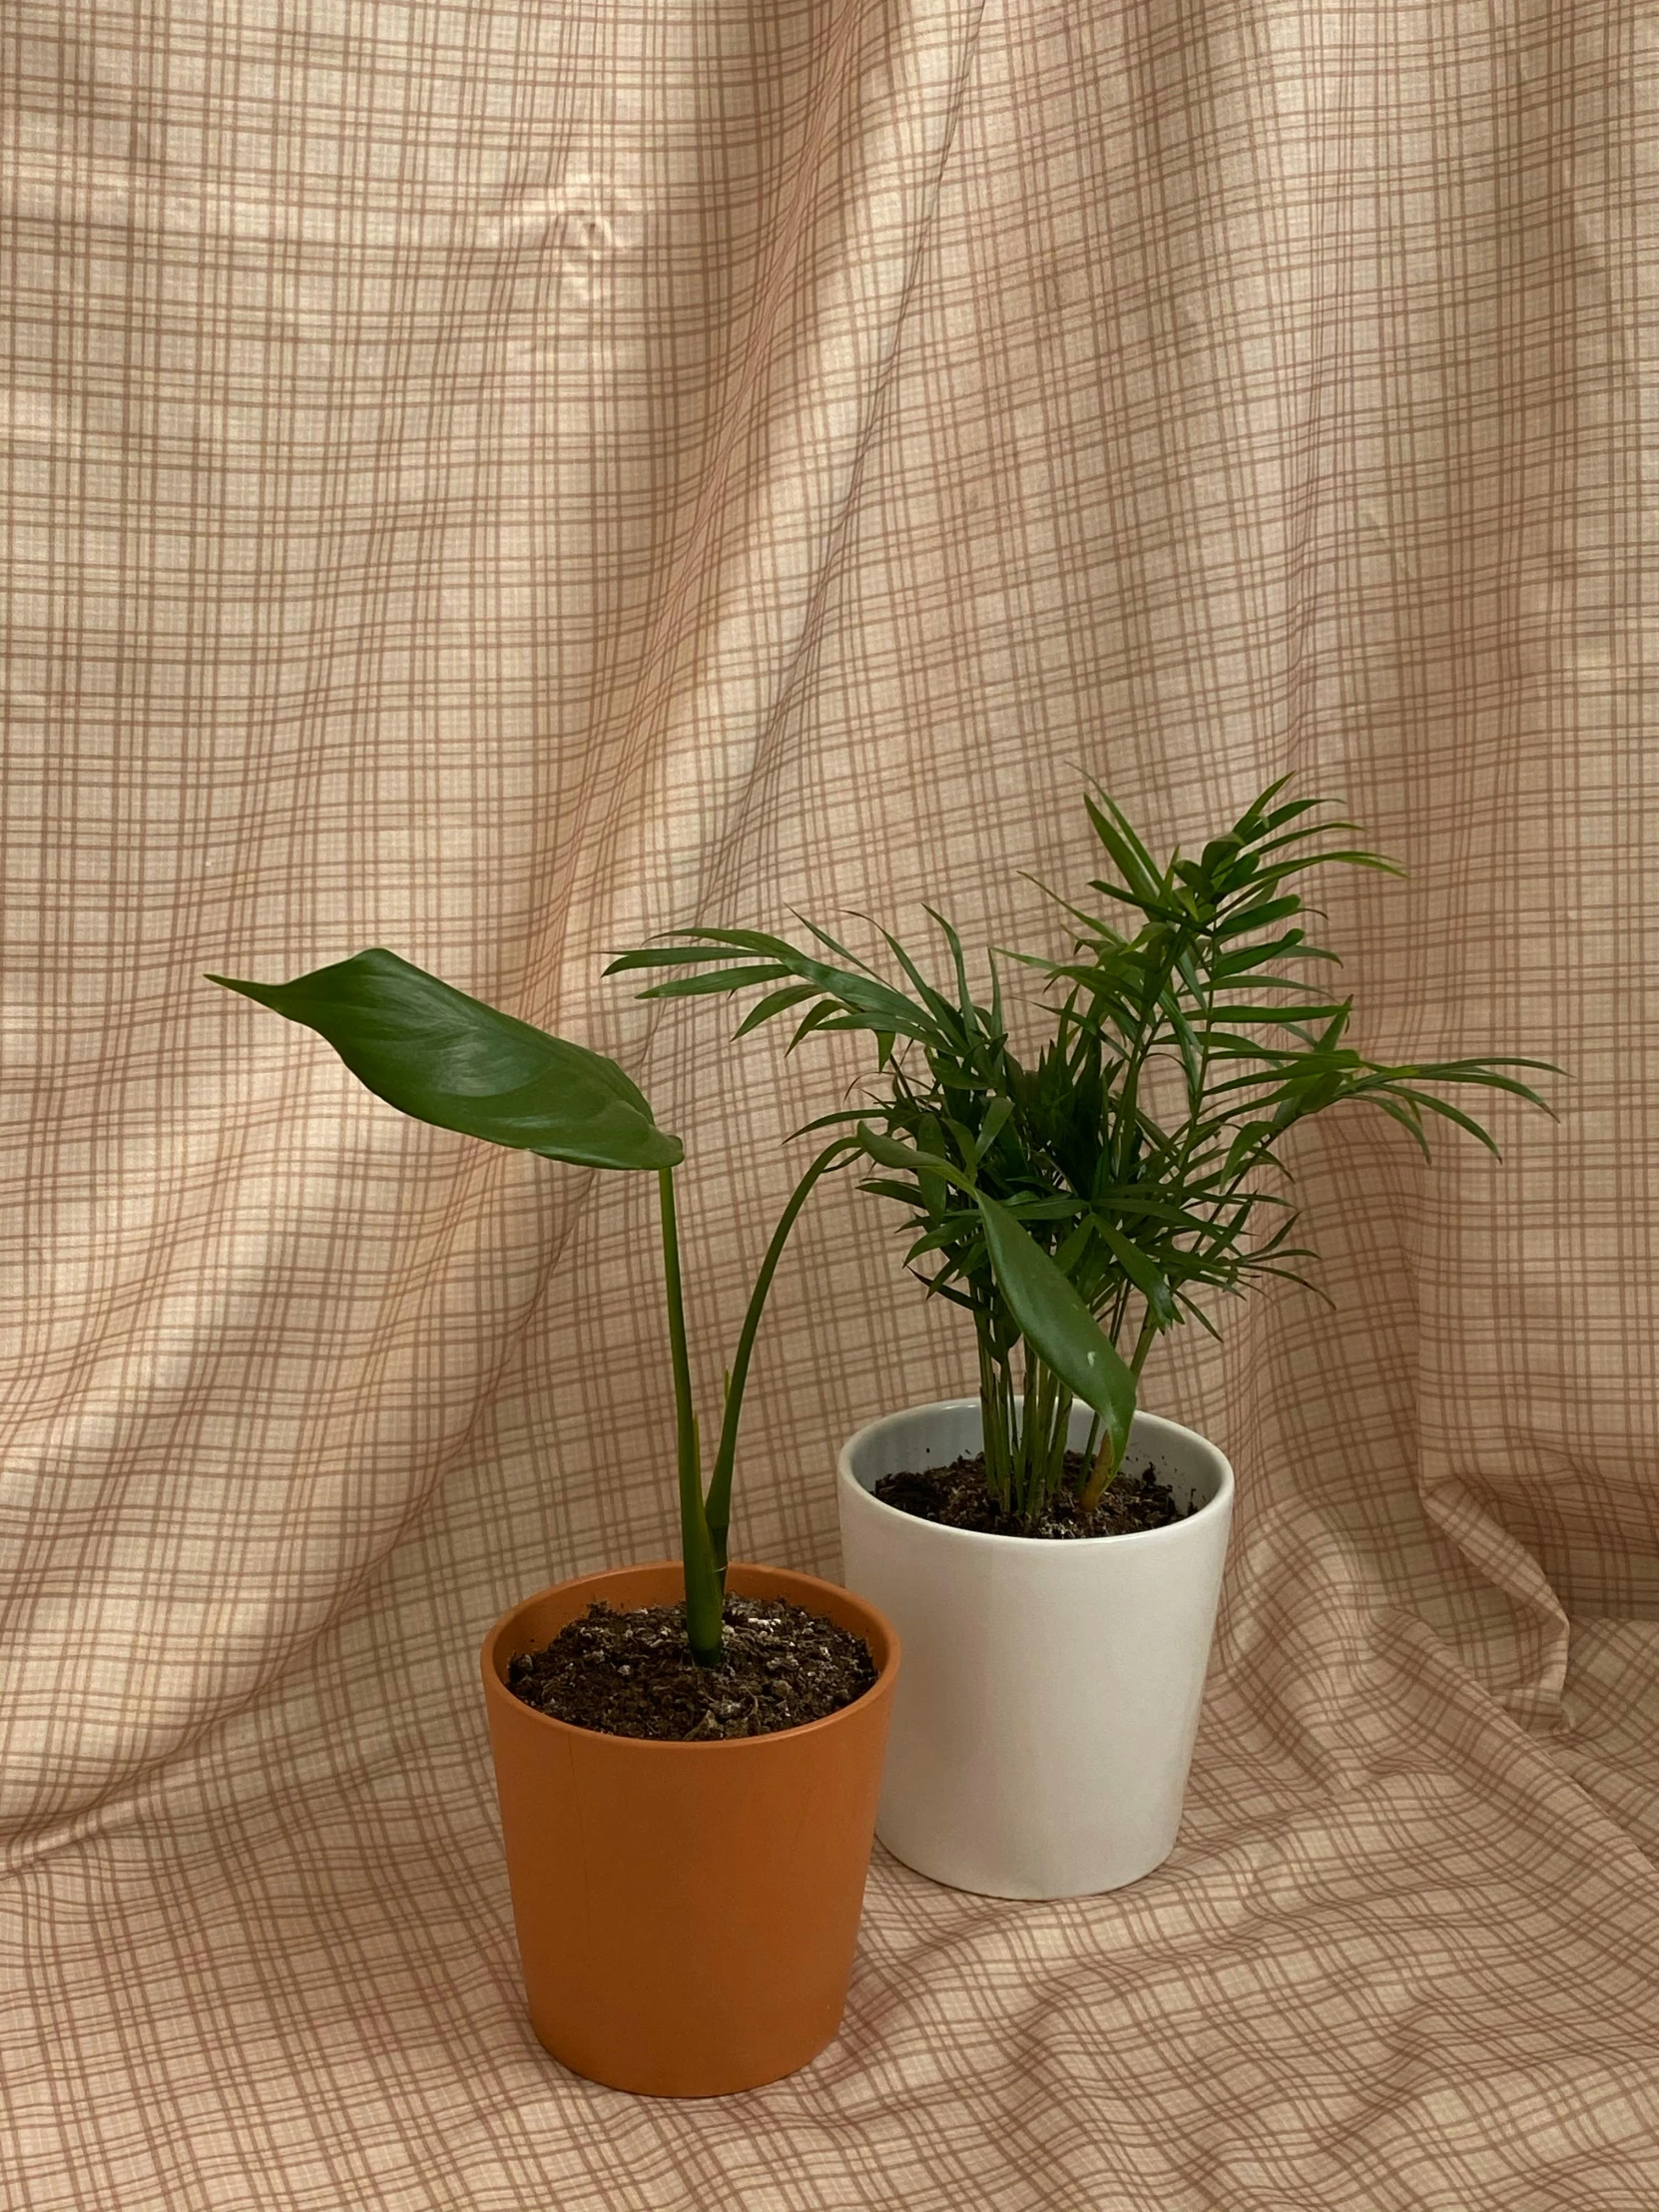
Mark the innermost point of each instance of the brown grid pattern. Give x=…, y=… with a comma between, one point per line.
x=494, y=478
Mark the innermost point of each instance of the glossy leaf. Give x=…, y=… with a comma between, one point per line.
x=445, y=1058
x=1057, y=1325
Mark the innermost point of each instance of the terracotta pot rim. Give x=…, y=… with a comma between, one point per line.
x=624, y=1746
x=1173, y=1532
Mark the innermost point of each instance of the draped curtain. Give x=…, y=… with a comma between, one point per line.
x=497, y=478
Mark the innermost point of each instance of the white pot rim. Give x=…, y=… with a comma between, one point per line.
x=935, y=1531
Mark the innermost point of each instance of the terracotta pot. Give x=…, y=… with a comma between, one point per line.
x=687, y=1913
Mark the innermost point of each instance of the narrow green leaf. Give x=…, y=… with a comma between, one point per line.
x=826, y=1014
x=1129, y=856
x=681, y=946
x=1428, y=1103
x=936, y=1004
x=1148, y=1278
x=1408, y=1117
x=1259, y=915
x=717, y=981
x=775, y=1003
x=996, y=1119
x=888, y=1152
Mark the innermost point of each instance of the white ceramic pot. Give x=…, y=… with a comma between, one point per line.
x=1043, y=1725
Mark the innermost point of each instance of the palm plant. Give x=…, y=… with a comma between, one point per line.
x=1079, y=1207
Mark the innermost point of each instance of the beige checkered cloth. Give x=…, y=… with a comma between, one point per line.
x=494, y=477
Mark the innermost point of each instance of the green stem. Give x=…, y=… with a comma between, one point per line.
x=1045, y=1422
x=1112, y=1327
x=1059, y=1430
x=719, y=1509
x=1026, y=1498
x=994, y=1421
x=704, y=1595
x=1104, y=1472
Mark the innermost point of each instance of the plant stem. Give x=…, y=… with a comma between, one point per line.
x=718, y=1512
x=1026, y=1499
x=1044, y=1423
x=1105, y=1471
x=704, y=1594
x=1059, y=1429
x=994, y=1427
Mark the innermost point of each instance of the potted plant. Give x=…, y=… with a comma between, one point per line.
x=688, y=1755
x=1052, y=1556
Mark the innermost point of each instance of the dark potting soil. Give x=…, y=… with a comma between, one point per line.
x=632, y=1673
x=956, y=1498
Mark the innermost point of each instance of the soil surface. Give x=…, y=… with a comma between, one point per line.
x=632, y=1673
x=956, y=1498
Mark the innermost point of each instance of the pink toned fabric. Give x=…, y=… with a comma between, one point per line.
x=498, y=479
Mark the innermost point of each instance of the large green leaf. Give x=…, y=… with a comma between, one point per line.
x=1057, y=1325
x=445, y=1058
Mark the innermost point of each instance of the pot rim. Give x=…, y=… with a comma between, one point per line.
x=1172, y=1532
x=625, y=1746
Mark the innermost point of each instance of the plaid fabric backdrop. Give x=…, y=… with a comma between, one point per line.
x=495, y=477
